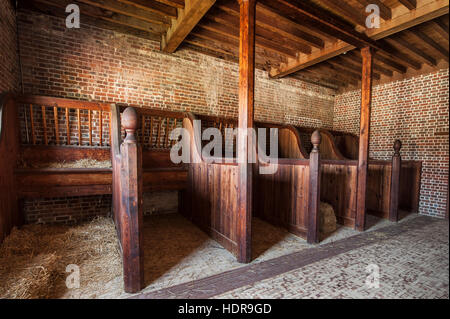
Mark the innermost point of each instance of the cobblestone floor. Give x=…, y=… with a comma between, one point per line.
x=414, y=264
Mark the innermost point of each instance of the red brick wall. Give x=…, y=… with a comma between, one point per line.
x=9, y=67
x=94, y=64
x=67, y=210
x=416, y=111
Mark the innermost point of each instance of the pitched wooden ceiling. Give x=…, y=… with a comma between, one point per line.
x=313, y=40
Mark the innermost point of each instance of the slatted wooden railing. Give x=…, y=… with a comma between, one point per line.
x=63, y=122
x=155, y=127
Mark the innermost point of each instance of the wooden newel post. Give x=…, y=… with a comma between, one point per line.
x=314, y=189
x=131, y=216
x=395, y=181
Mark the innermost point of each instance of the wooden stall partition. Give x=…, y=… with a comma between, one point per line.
x=338, y=188
x=348, y=145
x=211, y=201
x=289, y=143
x=378, y=193
x=127, y=196
x=9, y=148
x=328, y=148
x=409, y=192
x=290, y=196
x=281, y=198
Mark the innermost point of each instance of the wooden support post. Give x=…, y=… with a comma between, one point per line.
x=314, y=190
x=366, y=101
x=245, y=141
x=131, y=215
x=395, y=182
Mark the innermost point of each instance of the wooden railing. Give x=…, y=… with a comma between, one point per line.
x=155, y=127
x=58, y=121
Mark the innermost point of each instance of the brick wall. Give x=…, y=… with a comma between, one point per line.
x=95, y=64
x=416, y=111
x=9, y=67
x=67, y=210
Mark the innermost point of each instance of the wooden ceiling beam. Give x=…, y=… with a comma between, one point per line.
x=58, y=11
x=411, y=48
x=328, y=70
x=393, y=53
x=426, y=10
x=335, y=66
x=397, y=67
x=299, y=10
x=226, y=51
x=410, y=4
x=153, y=6
x=131, y=11
x=321, y=76
x=173, y=3
x=187, y=19
x=440, y=28
x=351, y=66
x=231, y=20
x=348, y=12
x=385, y=11
x=107, y=15
x=429, y=42
x=234, y=32
x=357, y=59
x=315, y=80
x=276, y=24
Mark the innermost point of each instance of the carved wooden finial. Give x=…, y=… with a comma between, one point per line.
x=316, y=138
x=130, y=123
x=397, y=147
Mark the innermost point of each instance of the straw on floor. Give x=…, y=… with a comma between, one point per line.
x=33, y=259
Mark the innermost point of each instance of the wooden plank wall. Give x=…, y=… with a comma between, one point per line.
x=211, y=198
x=410, y=175
x=282, y=198
x=9, y=143
x=378, y=188
x=213, y=193
x=338, y=188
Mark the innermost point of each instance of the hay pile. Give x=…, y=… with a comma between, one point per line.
x=327, y=218
x=33, y=260
x=82, y=163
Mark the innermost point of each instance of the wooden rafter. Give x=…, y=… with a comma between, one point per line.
x=410, y=4
x=228, y=30
x=426, y=10
x=348, y=12
x=173, y=3
x=385, y=11
x=417, y=52
x=99, y=18
x=275, y=23
x=187, y=19
x=440, y=28
x=433, y=45
x=128, y=10
x=153, y=6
